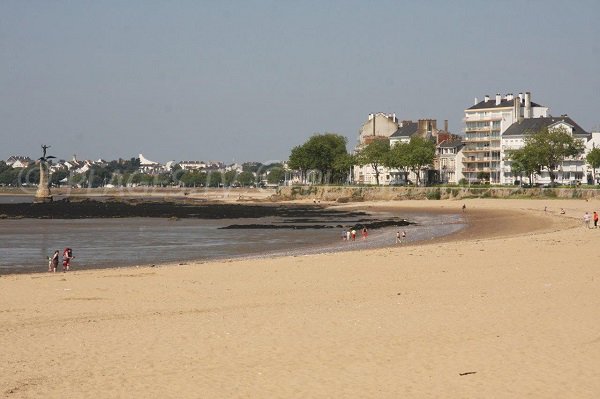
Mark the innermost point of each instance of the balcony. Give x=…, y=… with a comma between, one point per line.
x=479, y=118
x=480, y=139
x=478, y=129
x=477, y=170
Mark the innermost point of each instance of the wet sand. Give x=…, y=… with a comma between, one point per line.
x=507, y=308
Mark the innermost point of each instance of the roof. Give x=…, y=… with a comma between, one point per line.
x=504, y=103
x=450, y=144
x=406, y=130
x=531, y=125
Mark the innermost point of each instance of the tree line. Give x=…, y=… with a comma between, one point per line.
x=545, y=150
x=326, y=154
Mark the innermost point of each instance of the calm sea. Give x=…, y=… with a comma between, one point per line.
x=25, y=244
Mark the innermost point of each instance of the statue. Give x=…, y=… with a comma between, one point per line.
x=43, y=192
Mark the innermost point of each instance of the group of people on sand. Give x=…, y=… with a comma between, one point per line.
x=54, y=259
x=350, y=234
x=587, y=219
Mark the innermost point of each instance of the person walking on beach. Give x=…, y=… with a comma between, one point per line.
x=595, y=219
x=53, y=263
x=586, y=220
x=348, y=235
x=403, y=235
x=398, y=241
x=353, y=235
x=464, y=207
x=364, y=233
x=343, y=235
x=67, y=256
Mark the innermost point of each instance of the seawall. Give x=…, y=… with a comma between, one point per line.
x=357, y=194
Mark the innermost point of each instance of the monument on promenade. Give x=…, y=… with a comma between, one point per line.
x=43, y=192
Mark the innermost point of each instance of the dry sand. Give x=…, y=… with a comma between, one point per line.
x=509, y=308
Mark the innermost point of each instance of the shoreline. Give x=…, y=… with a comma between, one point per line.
x=381, y=237
x=476, y=226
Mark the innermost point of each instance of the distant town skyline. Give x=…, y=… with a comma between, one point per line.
x=246, y=81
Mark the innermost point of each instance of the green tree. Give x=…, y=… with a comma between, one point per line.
x=550, y=147
x=593, y=158
x=420, y=153
x=57, y=176
x=229, y=177
x=214, y=179
x=375, y=154
x=299, y=160
x=319, y=152
x=10, y=176
x=523, y=161
x=398, y=158
x=276, y=175
x=342, y=166
x=246, y=179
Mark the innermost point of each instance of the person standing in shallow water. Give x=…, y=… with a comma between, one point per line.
x=54, y=261
x=67, y=256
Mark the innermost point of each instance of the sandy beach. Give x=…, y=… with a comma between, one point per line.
x=508, y=308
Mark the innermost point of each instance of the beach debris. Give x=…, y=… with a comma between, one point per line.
x=467, y=373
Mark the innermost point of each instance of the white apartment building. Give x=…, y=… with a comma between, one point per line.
x=485, y=122
x=572, y=170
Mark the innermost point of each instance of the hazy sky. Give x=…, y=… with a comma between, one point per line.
x=247, y=80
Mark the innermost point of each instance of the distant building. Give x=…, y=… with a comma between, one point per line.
x=486, y=121
x=148, y=166
x=448, y=160
x=18, y=161
x=192, y=165
x=382, y=126
x=571, y=169
x=378, y=125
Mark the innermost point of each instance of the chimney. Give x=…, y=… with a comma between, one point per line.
x=446, y=125
x=509, y=97
x=475, y=102
x=498, y=98
x=527, y=105
x=394, y=117
x=422, y=126
x=521, y=98
x=486, y=98
x=373, y=125
x=370, y=116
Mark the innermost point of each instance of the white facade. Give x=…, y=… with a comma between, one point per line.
x=485, y=122
x=572, y=170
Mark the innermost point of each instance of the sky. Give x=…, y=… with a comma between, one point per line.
x=248, y=80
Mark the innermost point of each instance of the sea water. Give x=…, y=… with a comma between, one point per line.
x=25, y=244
